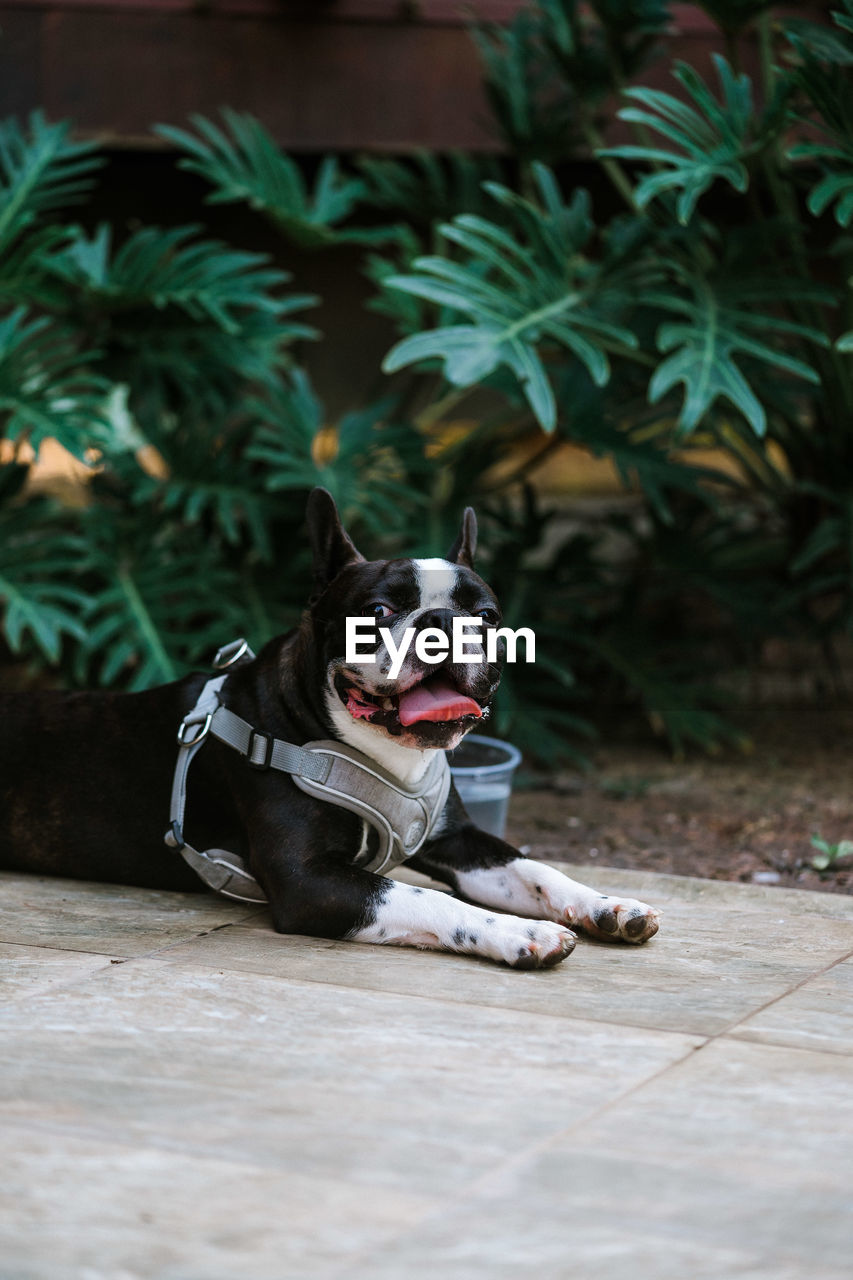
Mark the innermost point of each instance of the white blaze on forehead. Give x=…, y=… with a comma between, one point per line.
x=437, y=581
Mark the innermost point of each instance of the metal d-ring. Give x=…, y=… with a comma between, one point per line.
x=225, y=658
x=202, y=731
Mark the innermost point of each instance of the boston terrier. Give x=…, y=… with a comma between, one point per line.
x=88, y=780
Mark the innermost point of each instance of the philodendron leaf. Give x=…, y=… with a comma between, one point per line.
x=717, y=324
x=243, y=162
x=47, y=386
x=821, y=74
x=41, y=593
x=703, y=142
x=41, y=170
x=523, y=289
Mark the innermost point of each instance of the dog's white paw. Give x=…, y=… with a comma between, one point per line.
x=527, y=944
x=620, y=920
x=533, y=888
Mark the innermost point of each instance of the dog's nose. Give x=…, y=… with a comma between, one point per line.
x=440, y=618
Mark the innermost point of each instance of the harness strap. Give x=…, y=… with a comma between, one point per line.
x=262, y=750
x=220, y=870
x=403, y=817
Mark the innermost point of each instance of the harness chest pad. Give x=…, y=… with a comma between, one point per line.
x=404, y=817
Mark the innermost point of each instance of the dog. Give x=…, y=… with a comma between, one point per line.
x=88, y=779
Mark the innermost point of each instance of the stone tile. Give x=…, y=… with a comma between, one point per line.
x=88, y=1209
x=725, y=893
x=734, y=1163
x=717, y=959
x=382, y=1090
x=247, y=1103
x=818, y=1015
x=108, y=919
x=780, y=1116
x=25, y=971
x=579, y=1214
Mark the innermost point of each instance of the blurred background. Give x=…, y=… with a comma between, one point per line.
x=586, y=267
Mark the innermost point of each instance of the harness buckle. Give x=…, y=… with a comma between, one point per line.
x=264, y=763
x=230, y=653
x=201, y=731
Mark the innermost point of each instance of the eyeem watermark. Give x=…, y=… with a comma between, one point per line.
x=434, y=645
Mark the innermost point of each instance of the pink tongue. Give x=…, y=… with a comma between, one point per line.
x=435, y=699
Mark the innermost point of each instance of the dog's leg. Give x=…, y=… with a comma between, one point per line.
x=418, y=917
x=362, y=907
x=486, y=870
x=535, y=889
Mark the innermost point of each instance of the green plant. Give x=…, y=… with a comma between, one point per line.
x=703, y=303
x=829, y=854
x=725, y=333
x=519, y=284
x=165, y=361
x=519, y=289
x=39, y=558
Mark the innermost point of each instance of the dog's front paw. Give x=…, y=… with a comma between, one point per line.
x=532, y=944
x=620, y=920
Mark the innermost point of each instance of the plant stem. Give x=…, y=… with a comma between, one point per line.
x=611, y=167
x=434, y=412
x=524, y=468
x=147, y=629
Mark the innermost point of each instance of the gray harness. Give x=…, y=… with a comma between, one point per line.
x=404, y=817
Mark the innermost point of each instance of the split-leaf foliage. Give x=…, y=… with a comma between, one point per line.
x=697, y=297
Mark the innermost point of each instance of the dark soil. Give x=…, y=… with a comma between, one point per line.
x=747, y=817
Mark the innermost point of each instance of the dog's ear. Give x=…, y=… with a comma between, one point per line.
x=465, y=546
x=332, y=546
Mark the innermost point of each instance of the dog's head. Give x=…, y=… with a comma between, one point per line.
x=408, y=700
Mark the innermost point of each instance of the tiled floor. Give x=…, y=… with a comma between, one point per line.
x=186, y=1095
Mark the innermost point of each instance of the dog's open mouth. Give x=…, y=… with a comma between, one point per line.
x=434, y=699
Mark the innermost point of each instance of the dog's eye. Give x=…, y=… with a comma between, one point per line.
x=489, y=616
x=378, y=610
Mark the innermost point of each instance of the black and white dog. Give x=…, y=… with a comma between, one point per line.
x=86, y=778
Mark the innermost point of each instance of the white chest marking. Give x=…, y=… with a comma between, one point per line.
x=406, y=763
